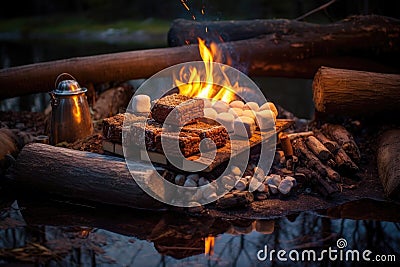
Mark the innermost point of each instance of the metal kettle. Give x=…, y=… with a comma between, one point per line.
x=70, y=116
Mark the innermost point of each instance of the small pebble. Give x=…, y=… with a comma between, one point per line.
x=208, y=191
x=285, y=186
x=273, y=179
x=273, y=189
x=292, y=179
x=203, y=181
x=241, y=185
x=190, y=183
x=195, y=177
x=180, y=179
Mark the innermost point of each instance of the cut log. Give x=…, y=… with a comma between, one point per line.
x=324, y=187
x=313, y=162
x=350, y=92
x=388, y=161
x=80, y=175
x=364, y=43
x=344, y=162
x=286, y=146
x=343, y=138
x=318, y=148
x=332, y=146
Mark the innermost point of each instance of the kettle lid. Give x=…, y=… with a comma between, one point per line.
x=68, y=87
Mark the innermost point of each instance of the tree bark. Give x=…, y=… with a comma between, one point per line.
x=388, y=161
x=313, y=162
x=350, y=92
x=80, y=175
x=344, y=139
x=332, y=146
x=363, y=43
x=318, y=148
x=344, y=162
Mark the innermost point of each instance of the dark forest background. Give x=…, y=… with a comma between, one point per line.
x=105, y=10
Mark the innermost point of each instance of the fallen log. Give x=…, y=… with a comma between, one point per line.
x=343, y=138
x=184, y=31
x=80, y=175
x=388, y=161
x=344, y=162
x=296, y=55
x=313, y=162
x=351, y=92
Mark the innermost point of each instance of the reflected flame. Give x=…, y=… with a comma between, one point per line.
x=217, y=85
x=209, y=243
x=77, y=109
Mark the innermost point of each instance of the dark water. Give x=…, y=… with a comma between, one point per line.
x=55, y=234
x=294, y=95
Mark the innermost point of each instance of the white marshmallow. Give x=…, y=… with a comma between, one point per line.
x=265, y=119
x=236, y=104
x=220, y=106
x=251, y=106
x=244, y=126
x=249, y=113
x=226, y=119
x=210, y=113
x=207, y=103
x=236, y=112
x=141, y=103
x=285, y=186
x=269, y=106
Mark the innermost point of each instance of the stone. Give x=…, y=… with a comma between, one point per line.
x=236, y=112
x=195, y=177
x=220, y=106
x=249, y=113
x=285, y=186
x=251, y=106
x=180, y=179
x=241, y=185
x=244, y=127
x=235, y=171
x=190, y=183
x=265, y=119
x=273, y=189
x=273, y=179
x=210, y=113
x=203, y=181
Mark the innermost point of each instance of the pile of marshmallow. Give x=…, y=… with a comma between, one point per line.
x=237, y=117
x=241, y=118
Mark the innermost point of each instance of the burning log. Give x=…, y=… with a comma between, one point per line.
x=343, y=138
x=340, y=45
x=388, y=160
x=318, y=148
x=80, y=175
x=313, y=162
x=351, y=92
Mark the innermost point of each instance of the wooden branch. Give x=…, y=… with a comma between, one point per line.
x=332, y=146
x=388, y=161
x=318, y=148
x=363, y=43
x=350, y=92
x=80, y=175
x=344, y=139
x=324, y=187
x=344, y=162
x=313, y=162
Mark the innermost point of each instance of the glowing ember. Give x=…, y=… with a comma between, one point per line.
x=209, y=243
x=217, y=85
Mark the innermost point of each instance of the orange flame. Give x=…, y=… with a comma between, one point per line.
x=217, y=85
x=209, y=243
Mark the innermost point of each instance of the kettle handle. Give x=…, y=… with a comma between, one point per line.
x=62, y=75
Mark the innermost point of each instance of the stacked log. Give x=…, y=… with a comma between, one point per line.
x=326, y=167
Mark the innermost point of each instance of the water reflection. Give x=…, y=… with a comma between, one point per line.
x=66, y=235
